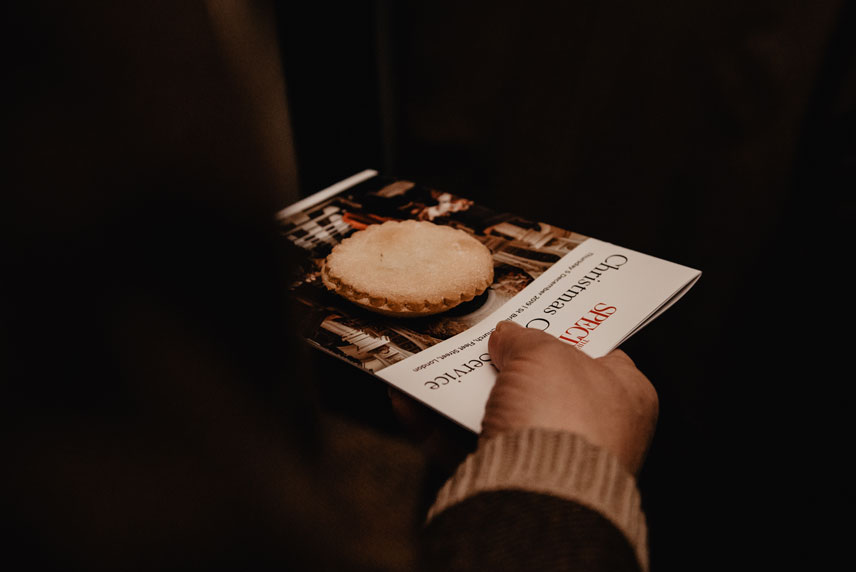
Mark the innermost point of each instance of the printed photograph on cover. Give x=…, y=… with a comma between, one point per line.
x=522, y=250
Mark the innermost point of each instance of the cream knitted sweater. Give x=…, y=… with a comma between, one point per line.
x=556, y=463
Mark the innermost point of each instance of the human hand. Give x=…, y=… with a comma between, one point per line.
x=544, y=382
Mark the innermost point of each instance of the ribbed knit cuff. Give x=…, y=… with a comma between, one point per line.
x=557, y=463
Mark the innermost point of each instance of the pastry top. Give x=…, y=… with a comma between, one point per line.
x=409, y=268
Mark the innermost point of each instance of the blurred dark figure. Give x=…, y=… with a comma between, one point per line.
x=156, y=414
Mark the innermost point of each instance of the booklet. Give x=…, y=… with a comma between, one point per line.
x=590, y=294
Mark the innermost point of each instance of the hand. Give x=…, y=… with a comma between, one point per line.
x=544, y=382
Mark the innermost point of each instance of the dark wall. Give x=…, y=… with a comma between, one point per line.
x=715, y=134
x=331, y=64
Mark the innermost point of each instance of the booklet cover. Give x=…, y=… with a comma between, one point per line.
x=590, y=294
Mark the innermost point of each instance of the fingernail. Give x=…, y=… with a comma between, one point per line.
x=505, y=324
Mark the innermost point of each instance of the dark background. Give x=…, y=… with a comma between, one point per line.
x=715, y=134
x=147, y=146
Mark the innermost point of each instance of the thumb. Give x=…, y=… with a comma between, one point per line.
x=508, y=340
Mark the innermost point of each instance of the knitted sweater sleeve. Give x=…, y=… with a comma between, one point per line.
x=538, y=499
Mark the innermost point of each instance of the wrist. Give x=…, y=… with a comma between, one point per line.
x=551, y=462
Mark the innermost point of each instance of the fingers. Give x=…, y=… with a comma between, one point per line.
x=510, y=340
x=618, y=358
x=618, y=355
x=544, y=382
x=621, y=363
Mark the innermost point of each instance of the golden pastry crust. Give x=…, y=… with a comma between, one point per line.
x=408, y=268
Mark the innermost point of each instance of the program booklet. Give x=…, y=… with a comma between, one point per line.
x=590, y=294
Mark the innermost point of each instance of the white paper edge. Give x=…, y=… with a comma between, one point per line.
x=325, y=194
x=663, y=307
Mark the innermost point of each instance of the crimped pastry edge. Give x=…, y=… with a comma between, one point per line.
x=400, y=310
x=403, y=308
